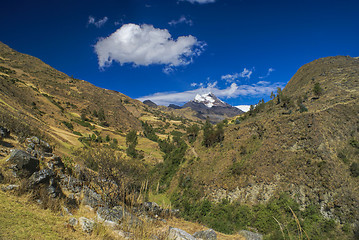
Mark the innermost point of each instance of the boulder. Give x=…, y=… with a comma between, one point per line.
x=92, y=198
x=70, y=184
x=86, y=224
x=179, y=234
x=23, y=163
x=206, y=235
x=4, y=132
x=248, y=235
x=37, y=147
x=109, y=216
x=41, y=176
x=10, y=187
x=73, y=221
x=117, y=214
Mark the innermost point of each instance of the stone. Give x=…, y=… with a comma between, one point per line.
x=10, y=187
x=40, y=176
x=23, y=163
x=86, y=224
x=248, y=235
x=4, y=132
x=73, y=221
x=112, y=217
x=70, y=184
x=92, y=198
x=179, y=234
x=125, y=235
x=209, y=234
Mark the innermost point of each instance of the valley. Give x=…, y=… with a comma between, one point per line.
x=286, y=169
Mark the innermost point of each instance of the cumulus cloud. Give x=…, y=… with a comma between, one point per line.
x=98, y=23
x=182, y=19
x=270, y=70
x=246, y=73
x=259, y=89
x=200, y=1
x=145, y=45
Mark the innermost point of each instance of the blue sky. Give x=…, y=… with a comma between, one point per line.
x=170, y=50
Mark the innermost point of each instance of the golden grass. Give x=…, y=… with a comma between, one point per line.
x=20, y=219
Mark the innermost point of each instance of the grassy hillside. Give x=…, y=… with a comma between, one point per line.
x=291, y=163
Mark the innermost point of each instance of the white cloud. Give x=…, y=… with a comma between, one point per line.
x=98, y=23
x=232, y=91
x=246, y=73
x=244, y=108
x=146, y=45
x=182, y=19
x=270, y=70
x=200, y=1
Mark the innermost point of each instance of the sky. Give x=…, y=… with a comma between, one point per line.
x=170, y=50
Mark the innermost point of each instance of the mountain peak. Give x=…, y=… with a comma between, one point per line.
x=210, y=100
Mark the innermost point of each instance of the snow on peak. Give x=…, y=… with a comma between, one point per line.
x=209, y=100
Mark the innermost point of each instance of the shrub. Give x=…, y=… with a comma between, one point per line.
x=317, y=89
x=354, y=169
x=68, y=125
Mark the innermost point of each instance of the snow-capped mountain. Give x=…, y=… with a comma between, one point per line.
x=210, y=100
x=208, y=105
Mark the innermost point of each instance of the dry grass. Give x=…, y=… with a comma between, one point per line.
x=21, y=219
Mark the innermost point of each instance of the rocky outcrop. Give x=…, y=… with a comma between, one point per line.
x=41, y=176
x=155, y=210
x=86, y=224
x=179, y=234
x=23, y=163
x=209, y=234
x=92, y=198
x=248, y=235
x=38, y=148
x=4, y=132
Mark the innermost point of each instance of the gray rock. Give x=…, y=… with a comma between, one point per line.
x=179, y=234
x=40, y=176
x=10, y=187
x=86, y=224
x=4, y=132
x=70, y=184
x=23, y=163
x=206, y=235
x=117, y=214
x=109, y=216
x=248, y=235
x=73, y=221
x=125, y=235
x=33, y=139
x=92, y=198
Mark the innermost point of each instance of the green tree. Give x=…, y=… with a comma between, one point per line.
x=101, y=115
x=131, y=141
x=192, y=133
x=131, y=137
x=317, y=90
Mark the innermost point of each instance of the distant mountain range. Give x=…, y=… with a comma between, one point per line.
x=206, y=105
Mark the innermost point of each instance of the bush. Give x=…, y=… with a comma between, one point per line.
x=354, y=169
x=317, y=90
x=68, y=125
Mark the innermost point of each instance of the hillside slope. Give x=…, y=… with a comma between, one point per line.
x=306, y=144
